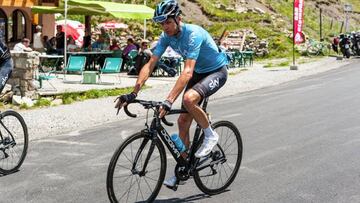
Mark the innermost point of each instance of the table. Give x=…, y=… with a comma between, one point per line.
x=93, y=58
x=47, y=58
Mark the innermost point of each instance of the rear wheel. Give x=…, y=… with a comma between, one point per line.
x=347, y=53
x=126, y=180
x=13, y=141
x=224, y=160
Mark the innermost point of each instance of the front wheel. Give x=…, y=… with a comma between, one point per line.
x=224, y=161
x=13, y=141
x=137, y=170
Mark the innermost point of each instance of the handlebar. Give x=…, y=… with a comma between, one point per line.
x=150, y=105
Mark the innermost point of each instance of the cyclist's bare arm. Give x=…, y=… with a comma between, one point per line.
x=182, y=80
x=145, y=73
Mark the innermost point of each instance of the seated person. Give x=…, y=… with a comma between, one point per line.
x=98, y=45
x=49, y=45
x=23, y=46
x=141, y=59
x=144, y=48
x=114, y=45
x=71, y=45
x=86, y=41
x=129, y=47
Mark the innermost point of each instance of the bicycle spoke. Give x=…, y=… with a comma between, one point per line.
x=124, y=167
x=140, y=189
x=147, y=183
x=154, y=159
x=127, y=198
x=127, y=158
x=137, y=193
x=151, y=178
x=131, y=184
x=150, y=171
x=225, y=171
x=229, y=166
x=123, y=176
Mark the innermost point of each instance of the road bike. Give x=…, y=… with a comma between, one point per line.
x=137, y=169
x=13, y=141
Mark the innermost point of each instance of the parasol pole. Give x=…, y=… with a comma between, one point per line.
x=145, y=23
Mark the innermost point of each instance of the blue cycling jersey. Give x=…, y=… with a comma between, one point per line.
x=4, y=53
x=194, y=43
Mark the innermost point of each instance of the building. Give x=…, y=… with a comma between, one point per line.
x=17, y=21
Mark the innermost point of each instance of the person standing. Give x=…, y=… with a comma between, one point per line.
x=38, y=43
x=60, y=40
x=87, y=41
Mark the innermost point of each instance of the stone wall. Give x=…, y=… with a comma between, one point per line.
x=25, y=66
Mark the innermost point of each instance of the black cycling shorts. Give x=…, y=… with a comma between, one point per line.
x=206, y=84
x=5, y=71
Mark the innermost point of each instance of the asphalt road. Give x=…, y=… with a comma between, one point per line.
x=301, y=144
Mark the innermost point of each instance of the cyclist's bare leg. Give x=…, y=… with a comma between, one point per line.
x=184, y=123
x=190, y=101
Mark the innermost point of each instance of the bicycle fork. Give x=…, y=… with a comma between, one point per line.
x=141, y=148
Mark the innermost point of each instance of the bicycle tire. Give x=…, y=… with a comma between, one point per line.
x=13, y=116
x=238, y=142
x=114, y=162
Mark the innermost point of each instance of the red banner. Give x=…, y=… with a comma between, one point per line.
x=298, y=21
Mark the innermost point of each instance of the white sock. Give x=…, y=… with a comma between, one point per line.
x=210, y=133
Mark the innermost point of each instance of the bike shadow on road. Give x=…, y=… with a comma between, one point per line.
x=191, y=198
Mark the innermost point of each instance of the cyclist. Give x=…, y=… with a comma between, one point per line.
x=6, y=65
x=205, y=72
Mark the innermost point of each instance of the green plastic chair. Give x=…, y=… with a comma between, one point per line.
x=238, y=58
x=131, y=62
x=111, y=65
x=75, y=64
x=44, y=77
x=248, y=57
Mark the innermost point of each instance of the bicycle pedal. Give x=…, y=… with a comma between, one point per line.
x=174, y=188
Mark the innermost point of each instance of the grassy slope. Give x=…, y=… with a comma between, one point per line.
x=263, y=25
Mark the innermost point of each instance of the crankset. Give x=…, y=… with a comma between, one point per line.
x=182, y=172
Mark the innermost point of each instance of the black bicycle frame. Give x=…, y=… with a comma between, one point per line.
x=157, y=128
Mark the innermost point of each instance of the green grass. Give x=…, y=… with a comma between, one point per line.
x=281, y=64
x=237, y=71
x=42, y=102
x=68, y=98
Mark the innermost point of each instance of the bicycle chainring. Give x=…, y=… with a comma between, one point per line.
x=181, y=172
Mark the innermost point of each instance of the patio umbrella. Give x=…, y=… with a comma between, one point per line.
x=73, y=23
x=113, y=25
x=75, y=29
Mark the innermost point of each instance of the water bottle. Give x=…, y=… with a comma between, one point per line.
x=178, y=143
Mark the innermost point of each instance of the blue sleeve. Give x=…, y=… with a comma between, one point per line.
x=160, y=46
x=195, y=41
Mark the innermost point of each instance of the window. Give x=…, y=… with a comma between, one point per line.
x=18, y=26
